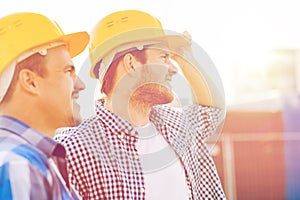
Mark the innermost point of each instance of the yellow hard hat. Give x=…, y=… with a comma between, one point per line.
x=20, y=32
x=125, y=29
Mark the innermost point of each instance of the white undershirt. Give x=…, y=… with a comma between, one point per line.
x=163, y=172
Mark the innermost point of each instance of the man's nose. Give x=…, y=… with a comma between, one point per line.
x=172, y=68
x=79, y=85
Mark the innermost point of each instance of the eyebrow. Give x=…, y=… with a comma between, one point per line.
x=165, y=52
x=70, y=65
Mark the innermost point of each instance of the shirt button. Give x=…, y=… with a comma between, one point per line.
x=133, y=132
x=121, y=136
x=136, y=157
x=142, y=190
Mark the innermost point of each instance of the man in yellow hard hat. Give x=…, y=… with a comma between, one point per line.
x=38, y=86
x=142, y=144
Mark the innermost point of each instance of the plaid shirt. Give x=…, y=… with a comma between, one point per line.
x=26, y=157
x=104, y=162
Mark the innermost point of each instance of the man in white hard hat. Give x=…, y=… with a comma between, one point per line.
x=37, y=89
x=138, y=146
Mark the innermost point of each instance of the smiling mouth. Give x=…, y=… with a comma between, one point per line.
x=75, y=95
x=168, y=81
x=168, y=78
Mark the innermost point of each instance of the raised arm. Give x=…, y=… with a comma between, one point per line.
x=204, y=90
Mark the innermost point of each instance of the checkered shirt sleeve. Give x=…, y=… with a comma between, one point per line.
x=186, y=129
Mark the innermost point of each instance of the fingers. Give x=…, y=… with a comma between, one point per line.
x=187, y=35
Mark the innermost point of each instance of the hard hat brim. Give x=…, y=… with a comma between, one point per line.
x=174, y=42
x=76, y=42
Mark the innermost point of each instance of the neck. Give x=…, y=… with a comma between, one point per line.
x=137, y=113
x=28, y=115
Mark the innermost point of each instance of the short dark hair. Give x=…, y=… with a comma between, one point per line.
x=109, y=77
x=33, y=63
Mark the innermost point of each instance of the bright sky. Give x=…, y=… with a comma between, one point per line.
x=226, y=30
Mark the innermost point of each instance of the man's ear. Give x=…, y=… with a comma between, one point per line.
x=129, y=62
x=28, y=81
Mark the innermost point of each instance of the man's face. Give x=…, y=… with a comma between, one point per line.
x=154, y=84
x=57, y=87
x=79, y=85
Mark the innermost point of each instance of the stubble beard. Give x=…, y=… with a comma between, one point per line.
x=151, y=94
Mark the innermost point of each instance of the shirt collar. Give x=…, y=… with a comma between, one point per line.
x=35, y=138
x=115, y=123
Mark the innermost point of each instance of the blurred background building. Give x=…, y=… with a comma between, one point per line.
x=258, y=154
